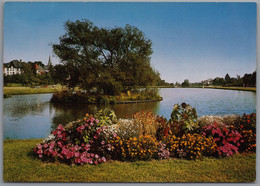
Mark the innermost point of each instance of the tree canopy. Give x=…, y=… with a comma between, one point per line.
x=104, y=58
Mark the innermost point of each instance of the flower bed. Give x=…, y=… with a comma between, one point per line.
x=143, y=136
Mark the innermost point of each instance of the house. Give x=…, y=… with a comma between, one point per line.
x=39, y=69
x=16, y=67
x=13, y=67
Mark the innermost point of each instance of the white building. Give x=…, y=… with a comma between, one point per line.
x=13, y=67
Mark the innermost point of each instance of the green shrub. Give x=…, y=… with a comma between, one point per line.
x=183, y=120
x=106, y=116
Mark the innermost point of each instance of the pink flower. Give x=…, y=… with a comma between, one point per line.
x=92, y=119
x=60, y=127
x=39, y=152
x=40, y=156
x=96, y=162
x=95, y=136
x=102, y=142
x=65, y=151
x=97, y=121
x=60, y=144
x=84, y=159
x=103, y=159
x=76, y=154
x=52, y=144
x=92, y=155
x=45, y=145
x=77, y=160
x=96, y=156
x=114, y=135
x=217, y=139
x=54, y=154
x=39, y=146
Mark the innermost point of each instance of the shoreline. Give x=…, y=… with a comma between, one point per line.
x=8, y=91
x=252, y=89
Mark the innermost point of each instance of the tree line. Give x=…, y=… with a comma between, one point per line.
x=248, y=80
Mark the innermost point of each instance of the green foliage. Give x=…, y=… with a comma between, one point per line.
x=185, y=116
x=106, y=59
x=186, y=83
x=106, y=117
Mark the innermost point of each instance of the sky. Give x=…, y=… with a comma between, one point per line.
x=194, y=41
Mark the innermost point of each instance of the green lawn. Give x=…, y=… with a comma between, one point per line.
x=20, y=166
x=28, y=90
x=234, y=88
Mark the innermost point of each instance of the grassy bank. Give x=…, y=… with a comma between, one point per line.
x=28, y=90
x=20, y=166
x=233, y=88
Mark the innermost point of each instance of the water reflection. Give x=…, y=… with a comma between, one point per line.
x=33, y=116
x=20, y=106
x=65, y=113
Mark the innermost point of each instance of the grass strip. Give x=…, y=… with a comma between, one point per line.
x=28, y=90
x=234, y=88
x=19, y=165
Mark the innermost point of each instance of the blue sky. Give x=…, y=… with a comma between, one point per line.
x=194, y=41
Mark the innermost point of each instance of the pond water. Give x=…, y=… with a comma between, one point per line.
x=33, y=116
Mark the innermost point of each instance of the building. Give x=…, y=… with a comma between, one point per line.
x=16, y=67
x=41, y=69
x=13, y=67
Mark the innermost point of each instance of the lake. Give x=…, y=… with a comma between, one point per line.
x=33, y=116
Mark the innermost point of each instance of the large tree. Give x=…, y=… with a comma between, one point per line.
x=107, y=59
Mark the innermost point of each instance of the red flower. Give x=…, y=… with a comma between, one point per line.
x=241, y=126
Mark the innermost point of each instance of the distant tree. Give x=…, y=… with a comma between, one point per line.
x=185, y=83
x=39, y=63
x=239, y=81
x=177, y=84
x=227, y=79
x=249, y=80
x=218, y=81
